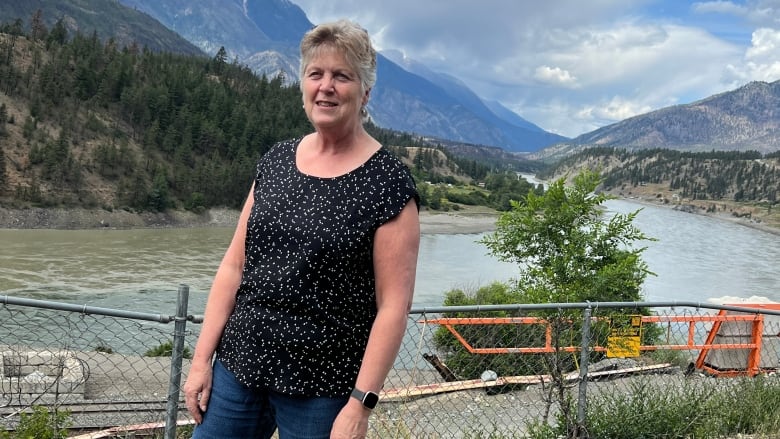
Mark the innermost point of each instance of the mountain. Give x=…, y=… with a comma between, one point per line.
x=264, y=36
x=83, y=124
x=106, y=18
x=747, y=118
x=513, y=130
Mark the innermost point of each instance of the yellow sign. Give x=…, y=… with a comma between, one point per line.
x=625, y=336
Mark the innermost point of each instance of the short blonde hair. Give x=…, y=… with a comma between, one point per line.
x=347, y=38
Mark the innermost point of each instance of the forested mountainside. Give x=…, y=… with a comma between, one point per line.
x=108, y=19
x=265, y=35
x=90, y=124
x=716, y=175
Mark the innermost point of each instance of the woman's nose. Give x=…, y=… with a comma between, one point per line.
x=326, y=84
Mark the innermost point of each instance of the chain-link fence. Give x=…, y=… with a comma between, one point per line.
x=673, y=369
x=95, y=367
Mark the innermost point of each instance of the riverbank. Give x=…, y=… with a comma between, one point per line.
x=468, y=220
x=474, y=220
x=745, y=214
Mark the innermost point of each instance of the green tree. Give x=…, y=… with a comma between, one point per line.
x=565, y=249
x=3, y=119
x=219, y=61
x=2, y=171
x=38, y=29
x=566, y=252
x=58, y=34
x=159, y=196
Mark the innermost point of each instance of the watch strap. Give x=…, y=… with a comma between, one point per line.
x=368, y=399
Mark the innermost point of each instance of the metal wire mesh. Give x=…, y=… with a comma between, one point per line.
x=526, y=375
x=101, y=370
x=509, y=373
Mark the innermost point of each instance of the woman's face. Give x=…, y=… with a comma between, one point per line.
x=332, y=92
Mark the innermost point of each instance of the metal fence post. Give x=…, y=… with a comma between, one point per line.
x=583, y=384
x=172, y=410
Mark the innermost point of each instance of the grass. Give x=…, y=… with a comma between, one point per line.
x=695, y=409
x=685, y=409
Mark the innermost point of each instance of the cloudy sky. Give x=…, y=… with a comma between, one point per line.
x=571, y=66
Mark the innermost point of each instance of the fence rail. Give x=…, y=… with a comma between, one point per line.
x=493, y=371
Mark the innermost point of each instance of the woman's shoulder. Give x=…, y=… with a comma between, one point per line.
x=282, y=148
x=288, y=144
x=389, y=160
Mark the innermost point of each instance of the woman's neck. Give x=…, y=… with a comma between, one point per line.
x=340, y=142
x=330, y=156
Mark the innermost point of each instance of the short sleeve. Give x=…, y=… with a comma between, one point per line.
x=400, y=189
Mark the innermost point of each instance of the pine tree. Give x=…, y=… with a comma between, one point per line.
x=219, y=61
x=3, y=119
x=3, y=177
x=38, y=31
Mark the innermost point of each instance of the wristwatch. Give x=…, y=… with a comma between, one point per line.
x=368, y=399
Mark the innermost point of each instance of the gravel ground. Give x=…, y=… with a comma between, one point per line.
x=71, y=219
x=65, y=219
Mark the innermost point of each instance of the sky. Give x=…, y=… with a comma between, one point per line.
x=572, y=66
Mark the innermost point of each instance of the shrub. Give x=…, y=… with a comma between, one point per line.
x=41, y=424
x=166, y=350
x=468, y=366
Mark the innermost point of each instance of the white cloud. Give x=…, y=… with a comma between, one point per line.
x=620, y=72
x=572, y=66
x=556, y=76
x=721, y=7
x=761, y=59
x=757, y=12
x=617, y=108
x=764, y=44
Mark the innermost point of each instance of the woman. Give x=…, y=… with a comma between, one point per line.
x=309, y=305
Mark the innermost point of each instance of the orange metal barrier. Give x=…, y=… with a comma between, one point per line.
x=753, y=361
x=753, y=345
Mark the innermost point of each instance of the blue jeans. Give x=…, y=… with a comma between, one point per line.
x=236, y=411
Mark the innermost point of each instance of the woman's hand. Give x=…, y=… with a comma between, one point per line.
x=197, y=389
x=352, y=422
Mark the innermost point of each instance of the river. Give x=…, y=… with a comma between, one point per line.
x=698, y=257
x=141, y=269
x=695, y=258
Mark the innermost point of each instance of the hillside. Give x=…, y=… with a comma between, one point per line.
x=731, y=184
x=106, y=18
x=93, y=126
x=86, y=124
x=744, y=119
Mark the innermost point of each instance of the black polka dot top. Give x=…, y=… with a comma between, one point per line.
x=306, y=301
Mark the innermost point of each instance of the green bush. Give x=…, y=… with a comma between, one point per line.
x=469, y=366
x=166, y=350
x=196, y=203
x=41, y=424
x=104, y=348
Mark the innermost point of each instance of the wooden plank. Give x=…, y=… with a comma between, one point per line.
x=125, y=429
x=454, y=386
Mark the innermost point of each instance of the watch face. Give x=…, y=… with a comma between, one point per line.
x=370, y=399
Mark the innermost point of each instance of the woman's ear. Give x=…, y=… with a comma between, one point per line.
x=366, y=96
